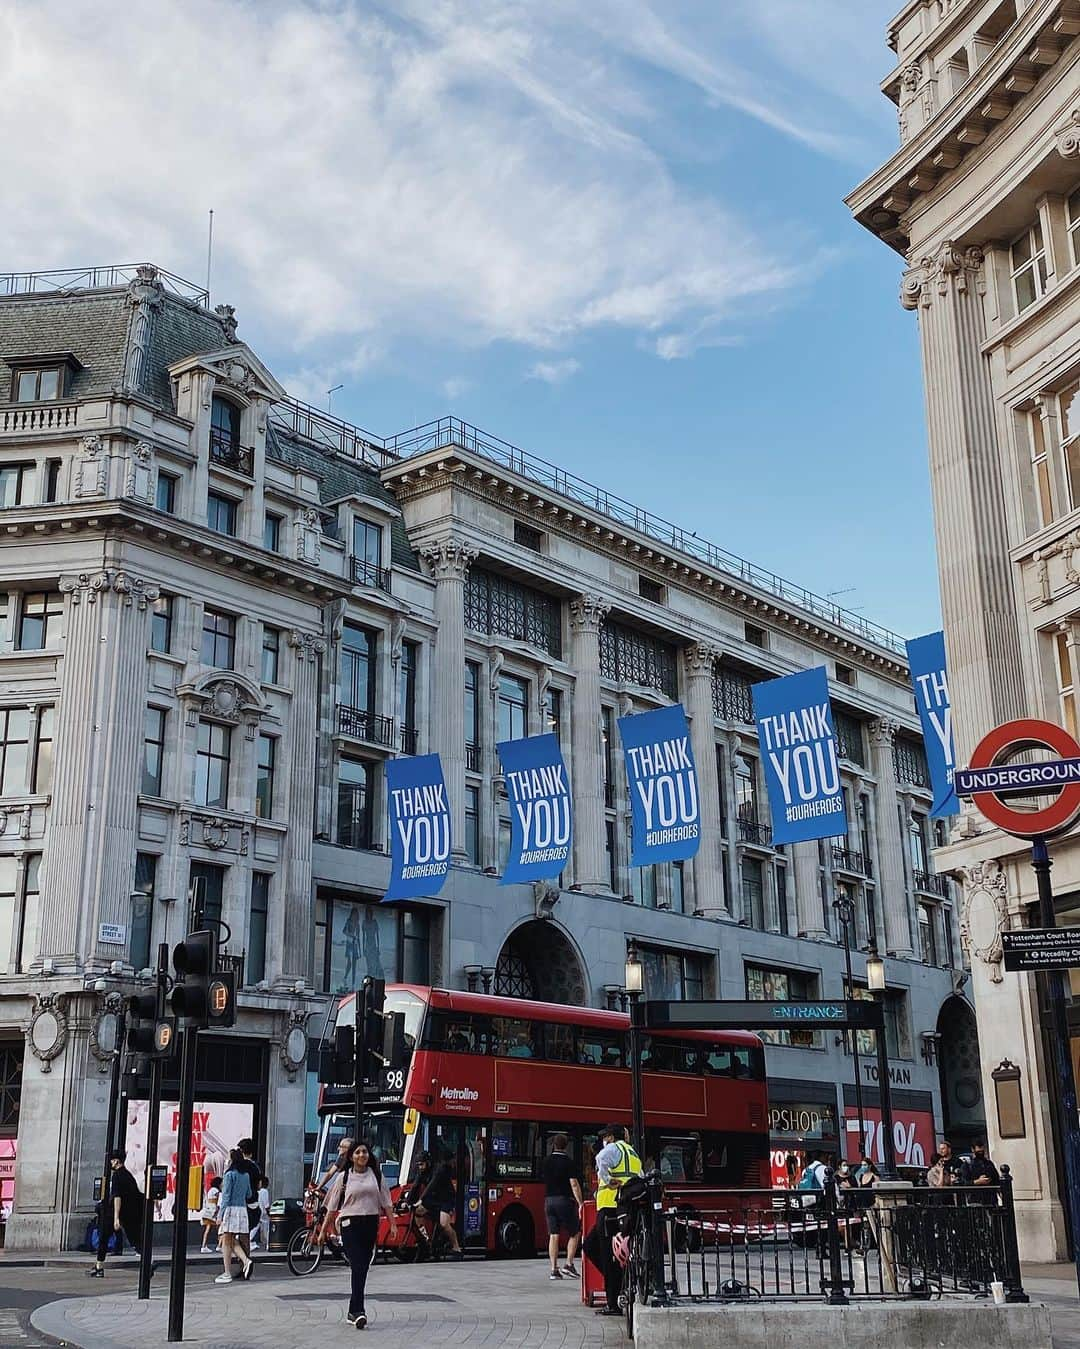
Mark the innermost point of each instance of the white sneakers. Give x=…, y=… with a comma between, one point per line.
x=224, y=1278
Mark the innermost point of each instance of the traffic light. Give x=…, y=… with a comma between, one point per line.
x=150, y=1032
x=194, y=959
x=393, y=1045
x=337, y=1061
x=221, y=1000
x=374, y=999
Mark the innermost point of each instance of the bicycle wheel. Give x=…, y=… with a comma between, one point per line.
x=304, y=1252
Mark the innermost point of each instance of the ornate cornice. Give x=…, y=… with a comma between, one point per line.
x=700, y=660
x=449, y=559
x=949, y=266
x=307, y=645
x=587, y=613
x=1067, y=137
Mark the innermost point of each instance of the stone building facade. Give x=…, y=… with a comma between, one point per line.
x=983, y=202
x=226, y=610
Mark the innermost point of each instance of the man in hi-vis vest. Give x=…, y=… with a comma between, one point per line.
x=616, y=1163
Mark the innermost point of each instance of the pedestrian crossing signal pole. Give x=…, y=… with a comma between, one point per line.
x=155, y=1037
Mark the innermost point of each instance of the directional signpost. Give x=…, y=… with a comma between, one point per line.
x=991, y=781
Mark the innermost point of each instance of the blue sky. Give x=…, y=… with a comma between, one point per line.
x=613, y=235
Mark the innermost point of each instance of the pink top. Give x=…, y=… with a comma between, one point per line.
x=364, y=1195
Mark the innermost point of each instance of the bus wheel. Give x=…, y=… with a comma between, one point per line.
x=514, y=1236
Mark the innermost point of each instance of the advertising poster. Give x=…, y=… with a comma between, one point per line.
x=217, y=1127
x=930, y=684
x=663, y=786
x=363, y=942
x=419, y=826
x=913, y=1135
x=799, y=757
x=540, y=809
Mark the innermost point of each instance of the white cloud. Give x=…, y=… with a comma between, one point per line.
x=456, y=387
x=448, y=171
x=553, y=372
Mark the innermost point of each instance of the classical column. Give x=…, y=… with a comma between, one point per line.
x=295, y=923
x=892, y=889
x=450, y=560
x=586, y=765
x=809, y=906
x=977, y=601
x=99, y=729
x=709, y=862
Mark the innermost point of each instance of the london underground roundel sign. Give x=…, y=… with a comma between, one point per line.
x=1061, y=777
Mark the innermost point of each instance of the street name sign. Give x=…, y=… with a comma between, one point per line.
x=1041, y=948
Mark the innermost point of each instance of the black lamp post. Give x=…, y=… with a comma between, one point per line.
x=634, y=981
x=845, y=912
x=875, y=981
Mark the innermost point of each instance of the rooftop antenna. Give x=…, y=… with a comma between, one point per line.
x=330, y=395
x=209, y=253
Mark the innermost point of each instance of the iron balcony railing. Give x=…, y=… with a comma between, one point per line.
x=235, y=963
x=472, y=758
x=750, y=831
x=368, y=574
x=930, y=884
x=408, y=740
x=67, y=279
x=330, y=433
x=224, y=450
x=853, y=861
x=364, y=725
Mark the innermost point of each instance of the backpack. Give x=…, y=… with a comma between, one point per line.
x=810, y=1180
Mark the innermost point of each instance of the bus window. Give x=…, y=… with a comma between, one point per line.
x=559, y=1043
x=513, y=1149
x=513, y=1038
x=732, y=1159
x=716, y=1061
x=677, y=1157
x=457, y=1033
x=600, y=1049
x=741, y=1058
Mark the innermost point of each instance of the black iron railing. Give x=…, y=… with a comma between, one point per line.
x=229, y=453
x=98, y=278
x=750, y=831
x=407, y=740
x=472, y=757
x=781, y=1245
x=228, y=962
x=853, y=861
x=368, y=574
x=364, y=725
x=930, y=884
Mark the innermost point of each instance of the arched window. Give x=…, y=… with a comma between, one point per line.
x=225, y=433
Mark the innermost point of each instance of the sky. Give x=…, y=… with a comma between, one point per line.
x=610, y=233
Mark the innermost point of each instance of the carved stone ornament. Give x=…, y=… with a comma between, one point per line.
x=294, y=1041
x=135, y=590
x=587, y=613
x=984, y=915
x=226, y=697
x=87, y=583
x=307, y=645
x=216, y=832
x=139, y=479
x=227, y=314
x=1068, y=137
x=949, y=267
x=495, y=665
x=911, y=76
x=104, y=1030
x=47, y=1030
x=450, y=559
x=883, y=732
x=91, y=467
x=545, y=897
x=700, y=660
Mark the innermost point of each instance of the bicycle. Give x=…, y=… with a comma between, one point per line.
x=415, y=1243
x=307, y=1246
x=639, y=1270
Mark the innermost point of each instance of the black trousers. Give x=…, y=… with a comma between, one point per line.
x=130, y=1225
x=358, y=1236
x=608, y=1221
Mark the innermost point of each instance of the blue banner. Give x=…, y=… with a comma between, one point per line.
x=798, y=754
x=930, y=684
x=663, y=786
x=540, y=811
x=419, y=826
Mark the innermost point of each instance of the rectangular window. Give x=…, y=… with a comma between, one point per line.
x=499, y=607
x=264, y=777
x=631, y=657
x=503, y=839
x=255, y=963
x=513, y=708
x=770, y=985
x=678, y=888
x=271, y=653
x=41, y=778
x=721, y=790
x=355, y=803
x=650, y=590
x=607, y=735
x=1040, y=468
x=472, y=716
x=845, y=675
x=672, y=975
x=782, y=915
x=917, y=844
x=472, y=825
x=52, y=479
x=1074, y=226
x=357, y=686
x=8, y=902
x=40, y=620
x=642, y=879
x=1029, y=267
x=407, y=696
x=161, y=624
x=415, y=947
x=30, y=917
x=14, y=750
x=165, y=492
x=527, y=537
x=367, y=543
x=13, y=483
x=751, y=875
x=754, y=635
x=140, y=936
x=218, y=639
x=746, y=810
x=1066, y=682
x=272, y=532
x=221, y=514
x=206, y=885
x=212, y=764
x=928, y=934
x=38, y=386
x=1069, y=410
x=612, y=860
x=554, y=716
x=153, y=751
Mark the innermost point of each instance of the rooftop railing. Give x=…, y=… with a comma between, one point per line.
x=66, y=279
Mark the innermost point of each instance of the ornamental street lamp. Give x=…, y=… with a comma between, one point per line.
x=845, y=911
x=634, y=982
x=875, y=981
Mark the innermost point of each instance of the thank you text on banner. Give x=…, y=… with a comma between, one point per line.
x=926, y=657
x=663, y=786
x=540, y=810
x=798, y=753
x=419, y=826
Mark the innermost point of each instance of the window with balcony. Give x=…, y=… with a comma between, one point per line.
x=225, y=434
x=165, y=492
x=746, y=801
x=258, y=917
x=212, y=757
x=140, y=934
x=272, y=532
x=732, y=700
x=512, y=708
x=356, y=686
x=270, y=667
x=221, y=514
x=153, y=751
x=772, y=985
x=264, y=777
x=40, y=621
x=1028, y=267
x=472, y=716
x=39, y=385
x=909, y=761
x=500, y=607
x=367, y=555
x=355, y=803
x=472, y=824
x=161, y=624
x=631, y=657
x=1066, y=681
x=1072, y=210
x=14, y=750
x=41, y=776
x=406, y=709
x=218, y=639
x=14, y=483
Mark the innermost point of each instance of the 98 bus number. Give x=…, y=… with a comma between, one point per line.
x=395, y=1079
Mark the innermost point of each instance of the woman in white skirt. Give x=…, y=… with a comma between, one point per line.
x=233, y=1216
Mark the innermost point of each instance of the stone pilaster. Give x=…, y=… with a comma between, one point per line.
x=587, y=612
x=892, y=890
x=809, y=906
x=708, y=864
x=977, y=601
x=449, y=561
x=99, y=728
x=295, y=921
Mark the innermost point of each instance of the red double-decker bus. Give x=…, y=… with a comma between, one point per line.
x=491, y=1080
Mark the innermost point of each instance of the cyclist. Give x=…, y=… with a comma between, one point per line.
x=432, y=1193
